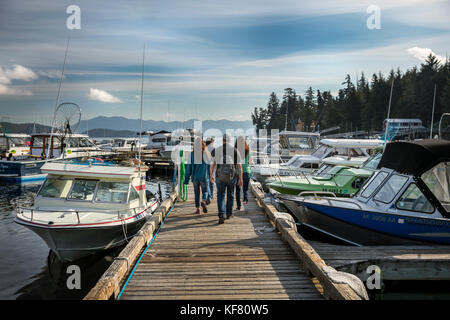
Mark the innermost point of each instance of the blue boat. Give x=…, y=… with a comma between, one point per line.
x=406, y=200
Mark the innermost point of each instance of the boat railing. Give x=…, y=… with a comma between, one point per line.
x=316, y=193
x=116, y=214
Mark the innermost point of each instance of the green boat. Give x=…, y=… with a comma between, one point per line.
x=340, y=180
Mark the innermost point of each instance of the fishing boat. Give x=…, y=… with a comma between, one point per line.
x=346, y=152
x=43, y=148
x=405, y=201
x=82, y=209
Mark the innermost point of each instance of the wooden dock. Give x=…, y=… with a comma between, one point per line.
x=193, y=257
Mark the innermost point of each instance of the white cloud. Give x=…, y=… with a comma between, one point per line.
x=8, y=91
x=18, y=72
x=103, y=96
x=52, y=74
x=423, y=53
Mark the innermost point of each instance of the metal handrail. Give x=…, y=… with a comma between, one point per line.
x=315, y=193
x=77, y=212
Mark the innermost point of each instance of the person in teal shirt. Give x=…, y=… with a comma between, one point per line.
x=197, y=171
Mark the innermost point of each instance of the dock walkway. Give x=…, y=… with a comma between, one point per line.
x=193, y=257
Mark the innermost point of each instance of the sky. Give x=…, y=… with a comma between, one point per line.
x=206, y=59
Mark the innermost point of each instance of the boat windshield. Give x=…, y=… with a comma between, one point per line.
x=372, y=162
x=375, y=181
x=85, y=190
x=438, y=181
x=55, y=188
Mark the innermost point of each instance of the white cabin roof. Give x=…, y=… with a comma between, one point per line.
x=100, y=171
x=353, y=143
x=14, y=135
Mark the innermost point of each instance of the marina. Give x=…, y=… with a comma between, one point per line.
x=237, y=158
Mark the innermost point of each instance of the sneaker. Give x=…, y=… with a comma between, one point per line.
x=208, y=201
x=245, y=207
x=221, y=220
x=205, y=210
x=197, y=211
x=229, y=216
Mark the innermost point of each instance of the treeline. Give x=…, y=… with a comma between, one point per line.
x=362, y=105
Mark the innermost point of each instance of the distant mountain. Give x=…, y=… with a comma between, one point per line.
x=121, y=123
x=101, y=133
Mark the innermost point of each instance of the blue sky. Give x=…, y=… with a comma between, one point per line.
x=204, y=59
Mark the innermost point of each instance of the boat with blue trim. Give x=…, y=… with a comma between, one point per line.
x=405, y=201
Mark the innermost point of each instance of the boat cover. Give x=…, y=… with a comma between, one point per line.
x=415, y=157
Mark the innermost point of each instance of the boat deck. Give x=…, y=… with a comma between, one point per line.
x=193, y=257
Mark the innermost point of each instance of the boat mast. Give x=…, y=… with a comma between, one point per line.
x=57, y=99
x=432, y=113
x=142, y=98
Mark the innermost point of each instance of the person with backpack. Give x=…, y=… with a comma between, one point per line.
x=197, y=171
x=227, y=162
x=244, y=151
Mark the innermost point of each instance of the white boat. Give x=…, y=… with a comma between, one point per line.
x=127, y=144
x=346, y=152
x=292, y=143
x=84, y=209
x=159, y=140
x=28, y=167
x=14, y=145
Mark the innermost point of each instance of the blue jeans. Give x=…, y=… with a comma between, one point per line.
x=223, y=188
x=210, y=190
x=246, y=179
x=204, y=187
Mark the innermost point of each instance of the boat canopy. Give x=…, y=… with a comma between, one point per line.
x=353, y=143
x=415, y=157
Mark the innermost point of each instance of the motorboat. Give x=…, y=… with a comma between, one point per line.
x=159, y=139
x=43, y=148
x=14, y=145
x=127, y=144
x=291, y=143
x=339, y=180
x=82, y=209
x=345, y=152
x=405, y=201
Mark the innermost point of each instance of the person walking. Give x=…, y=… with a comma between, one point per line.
x=227, y=162
x=210, y=147
x=244, y=151
x=197, y=171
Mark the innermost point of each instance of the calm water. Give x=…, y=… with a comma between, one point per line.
x=28, y=270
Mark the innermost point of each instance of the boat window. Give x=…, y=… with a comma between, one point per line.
x=83, y=143
x=112, y=192
x=300, y=143
x=38, y=142
x=72, y=143
x=414, y=200
x=358, y=182
x=374, y=183
x=83, y=190
x=438, y=181
x=390, y=189
x=56, y=142
x=18, y=142
x=55, y=188
x=3, y=142
x=133, y=194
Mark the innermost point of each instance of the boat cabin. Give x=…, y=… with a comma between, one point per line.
x=402, y=186
x=93, y=187
x=14, y=145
